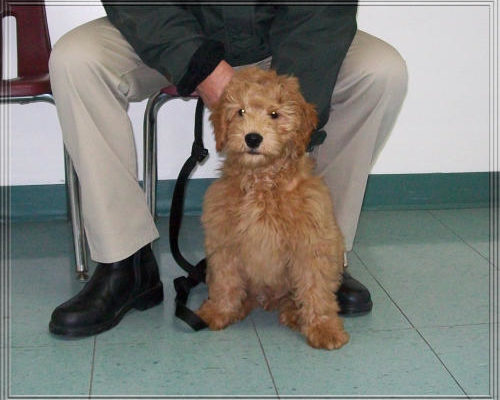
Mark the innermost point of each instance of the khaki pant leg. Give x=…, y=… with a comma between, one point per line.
x=94, y=74
x=366, y=100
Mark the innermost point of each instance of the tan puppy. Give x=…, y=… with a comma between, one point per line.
x=271, y=238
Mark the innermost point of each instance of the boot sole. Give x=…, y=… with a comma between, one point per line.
x=356, y=311
x=144, y=301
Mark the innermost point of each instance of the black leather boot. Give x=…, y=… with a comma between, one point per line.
x=353, y=297
x=113, y=290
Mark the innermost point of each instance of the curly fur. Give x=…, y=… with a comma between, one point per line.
x=271, y=238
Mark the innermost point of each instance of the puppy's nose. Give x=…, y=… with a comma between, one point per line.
x=253, y=140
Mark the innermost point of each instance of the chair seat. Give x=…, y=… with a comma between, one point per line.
x=26, y=86
x=172, y=91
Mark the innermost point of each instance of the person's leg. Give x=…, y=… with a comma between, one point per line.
x=366, y=100
x=94, y=74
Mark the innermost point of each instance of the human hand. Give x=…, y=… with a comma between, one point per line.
x=212, y=87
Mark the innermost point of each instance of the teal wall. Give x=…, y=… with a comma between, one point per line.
x=383, y=192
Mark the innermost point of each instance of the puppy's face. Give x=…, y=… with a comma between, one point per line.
x=262, y=116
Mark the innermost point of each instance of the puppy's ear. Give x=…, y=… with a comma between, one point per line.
x=289, y=86
x=310, y=119
x=291, y=91
x=219, y=119
x=305, y=112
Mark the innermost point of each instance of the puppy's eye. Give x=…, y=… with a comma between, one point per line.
x=274, y=115
x=241, y=112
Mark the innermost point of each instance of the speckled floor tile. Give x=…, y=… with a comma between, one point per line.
x=58, y=370
x=433, y=284
x=433, y=276
x=383, y=363
x=41, y=239
x=471, y=225
x=229, y=362
x=394, y=227
x=465, y=350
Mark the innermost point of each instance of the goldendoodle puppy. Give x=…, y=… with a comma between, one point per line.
x=271, y=238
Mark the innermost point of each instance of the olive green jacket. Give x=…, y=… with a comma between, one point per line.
x=186, y=43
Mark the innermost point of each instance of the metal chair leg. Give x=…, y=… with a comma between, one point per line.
x=72, y=192
x=150, y=148
x=79, y=240
x=75, y=212
x=74, y=209
x=68, y=166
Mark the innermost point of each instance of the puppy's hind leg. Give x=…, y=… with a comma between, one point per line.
x=315, y=282
x=226, y=292
x=289, y=313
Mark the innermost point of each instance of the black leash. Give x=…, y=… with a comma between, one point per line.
x=196, y=273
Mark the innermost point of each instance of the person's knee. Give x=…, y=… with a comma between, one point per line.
x=387, y=69
x=76, y=53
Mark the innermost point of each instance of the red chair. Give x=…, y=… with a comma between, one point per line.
x=150, y=173
x=33, y=85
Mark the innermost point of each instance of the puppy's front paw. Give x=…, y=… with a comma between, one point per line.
x=290, y=317
x=327, y=334
x=213, y=316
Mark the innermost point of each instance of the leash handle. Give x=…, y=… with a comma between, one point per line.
x=196, y=273
x=183, y=286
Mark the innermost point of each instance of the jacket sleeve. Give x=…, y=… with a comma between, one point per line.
x=169, y=39
x=311, y=42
